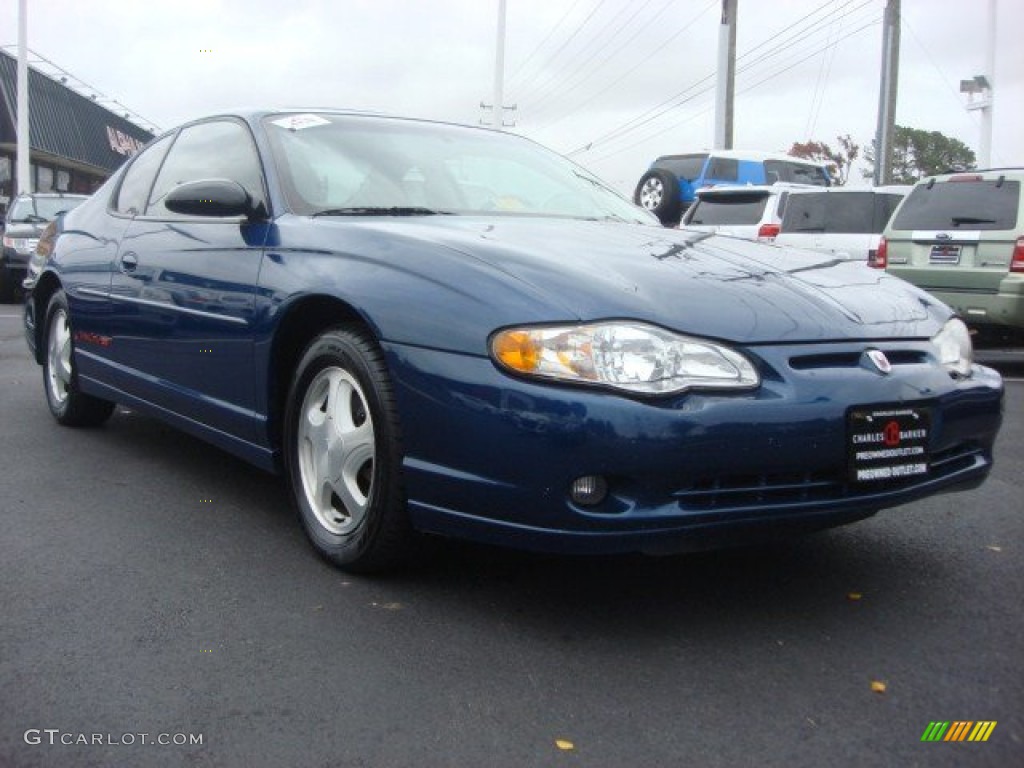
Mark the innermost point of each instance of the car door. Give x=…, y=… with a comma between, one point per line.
x=183, y=288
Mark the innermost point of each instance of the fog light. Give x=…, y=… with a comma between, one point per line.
x=589, y=490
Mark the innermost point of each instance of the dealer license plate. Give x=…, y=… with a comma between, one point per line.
x=888, y=443
x=944, y=254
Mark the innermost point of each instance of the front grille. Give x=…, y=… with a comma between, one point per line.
x=735, y=491
x=853, y=359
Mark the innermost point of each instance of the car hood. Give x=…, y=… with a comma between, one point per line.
x=692, y=282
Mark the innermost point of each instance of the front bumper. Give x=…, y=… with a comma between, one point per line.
x=492, y=458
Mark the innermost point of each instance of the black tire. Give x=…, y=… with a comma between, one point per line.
x=69, y=406
x=349, y=493
x=658, y=192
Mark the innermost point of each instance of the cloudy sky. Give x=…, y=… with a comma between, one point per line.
x=613, y=82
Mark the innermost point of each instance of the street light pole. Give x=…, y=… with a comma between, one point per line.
x=985, y=144
x=24, y=171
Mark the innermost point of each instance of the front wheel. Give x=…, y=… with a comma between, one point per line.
x=69, y=406
x=342, y=451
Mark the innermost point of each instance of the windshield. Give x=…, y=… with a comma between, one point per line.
x=989, y=205
x=337, y=164
x=728, y=210
x=29, y=208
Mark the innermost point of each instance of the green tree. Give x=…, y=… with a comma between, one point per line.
x=917, y=153
x=838, y=162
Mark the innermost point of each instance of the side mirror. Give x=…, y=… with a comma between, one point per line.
x=210, y=197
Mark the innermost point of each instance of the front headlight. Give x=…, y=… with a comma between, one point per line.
x=955, y=351
x=630, y=356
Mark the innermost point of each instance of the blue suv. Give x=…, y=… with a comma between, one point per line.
x=669, y=187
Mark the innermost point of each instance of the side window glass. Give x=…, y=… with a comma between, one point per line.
x=805, y=213
x=221, y=149
x=723, y=169
x=774, y=171
x=848, y=213
x=134, y=189
x=885, y=206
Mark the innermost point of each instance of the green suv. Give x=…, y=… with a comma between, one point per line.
x=960, y=236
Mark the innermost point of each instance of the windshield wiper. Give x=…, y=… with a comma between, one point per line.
x=380, y=211
x=807, y=229
x=958, y=220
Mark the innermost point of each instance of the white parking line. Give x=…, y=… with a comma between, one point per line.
x=10, y=317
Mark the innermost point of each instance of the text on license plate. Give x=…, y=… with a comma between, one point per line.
x=944, y=254
x=888, y=443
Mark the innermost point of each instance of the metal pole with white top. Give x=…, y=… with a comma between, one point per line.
x=23, y=180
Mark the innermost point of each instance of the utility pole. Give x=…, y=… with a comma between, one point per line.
x=498, y=106
x=23, y=181
x=887, y=93
x=726, y=87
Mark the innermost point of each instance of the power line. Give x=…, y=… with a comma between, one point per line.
x=564, y=80
x=748, y=88
x=680, y=98
x=572, y=37
x=543, y=42
x=637, y=65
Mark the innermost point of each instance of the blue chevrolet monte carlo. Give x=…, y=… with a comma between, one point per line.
x=430, y=328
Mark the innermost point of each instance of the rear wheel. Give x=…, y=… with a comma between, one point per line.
x=343, y=452
x=67, y=403
x=658, y=192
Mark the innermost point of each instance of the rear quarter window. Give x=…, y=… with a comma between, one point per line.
x=687, y=167
x=843, y=213
x=796, y=173
x=974, y=205
x=728, y=210
x=723, y=169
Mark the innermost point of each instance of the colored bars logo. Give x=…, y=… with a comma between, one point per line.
x=960, y=730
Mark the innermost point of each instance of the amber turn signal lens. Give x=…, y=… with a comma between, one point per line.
x=517, y=350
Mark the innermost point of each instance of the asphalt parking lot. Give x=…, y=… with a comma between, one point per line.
x=153, y=585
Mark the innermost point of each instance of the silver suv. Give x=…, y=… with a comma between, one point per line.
x=842, y=222
x=960, y=237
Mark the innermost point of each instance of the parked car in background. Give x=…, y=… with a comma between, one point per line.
x=670, y=186
x=432, y=328
x=26, y=217
x=960, y=236
x=844, y=222
x=752, y=212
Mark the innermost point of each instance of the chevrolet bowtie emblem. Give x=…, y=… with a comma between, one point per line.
x=879, y=360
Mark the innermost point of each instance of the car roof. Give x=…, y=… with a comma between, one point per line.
x=766, y=189
x=745, y=154
x=901, y=189
x=985, y=173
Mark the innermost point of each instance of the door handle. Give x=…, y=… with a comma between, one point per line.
x=129, y=262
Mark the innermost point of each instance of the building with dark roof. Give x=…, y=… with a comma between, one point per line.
x=75, y=143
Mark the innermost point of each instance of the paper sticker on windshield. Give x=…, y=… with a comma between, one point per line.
x=298, y=122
